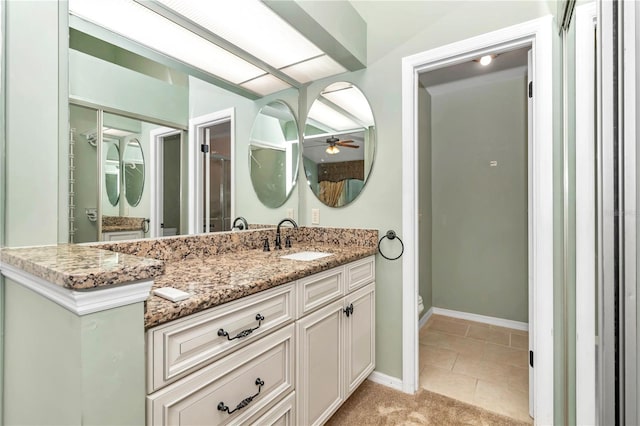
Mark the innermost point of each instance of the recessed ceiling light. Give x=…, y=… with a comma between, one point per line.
x=486, y=59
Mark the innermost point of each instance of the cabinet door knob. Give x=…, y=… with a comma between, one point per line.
x=348, y=310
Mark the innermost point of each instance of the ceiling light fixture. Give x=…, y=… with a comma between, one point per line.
x=486, y=59
x=332, y=149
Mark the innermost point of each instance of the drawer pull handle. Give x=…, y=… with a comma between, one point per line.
x=244, y=402
x=243, y=333
x=348, y=310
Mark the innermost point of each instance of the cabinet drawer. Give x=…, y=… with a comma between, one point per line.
x=233, y=381
x=360, y=272
x=283, y=414
x=319, y=289
x=184, y=345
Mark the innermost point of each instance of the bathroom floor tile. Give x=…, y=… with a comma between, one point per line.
x=448, y=383
x=480, y=369
x=437, y=357
x=449, y=327
x=488, y=334
x=519, y=341
x=481, y=364
x=505, y=354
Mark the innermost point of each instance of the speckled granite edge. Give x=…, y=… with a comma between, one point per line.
x=79, y=267
x=121, y=223
x=185, y=247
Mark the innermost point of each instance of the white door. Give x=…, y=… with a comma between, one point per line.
x=530, y=229
x=320, y=371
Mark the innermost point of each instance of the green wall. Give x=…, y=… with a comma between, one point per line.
x=379, y=205
x=480, y=254
x=42, y=358
x=105, y=84
x=63, y=369
x=32, y=123
x=425, y=229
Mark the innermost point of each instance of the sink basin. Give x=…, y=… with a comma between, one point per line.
x=306, y=255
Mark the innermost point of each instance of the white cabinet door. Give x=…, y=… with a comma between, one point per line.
x=360, y=345
x=320, y=371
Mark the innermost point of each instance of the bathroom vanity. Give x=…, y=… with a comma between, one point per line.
x=262, y=339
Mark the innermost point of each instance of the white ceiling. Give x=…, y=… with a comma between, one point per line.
x=504, y=61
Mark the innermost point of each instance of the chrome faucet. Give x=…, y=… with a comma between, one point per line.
x=288, y=242
x=243, y=225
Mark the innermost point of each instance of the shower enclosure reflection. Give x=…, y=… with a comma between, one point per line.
x=108, y=189
x=216, y=159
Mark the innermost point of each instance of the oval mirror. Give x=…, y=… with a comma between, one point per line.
x=339, y=144
x=273, y=154
x=112, y=171
x=133, y=167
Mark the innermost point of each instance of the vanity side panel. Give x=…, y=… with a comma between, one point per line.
x=113, y=366
x=42, y=360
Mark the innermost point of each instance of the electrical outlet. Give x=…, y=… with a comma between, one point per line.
x=315, y=216
x=290, y=214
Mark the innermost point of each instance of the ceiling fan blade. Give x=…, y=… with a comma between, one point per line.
x=349, y=146
x=347, y=141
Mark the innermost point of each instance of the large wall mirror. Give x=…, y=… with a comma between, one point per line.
x=273, y=154
x=133, y=93
x=339, y=144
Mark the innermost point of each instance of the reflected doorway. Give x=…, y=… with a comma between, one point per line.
x=216, y=157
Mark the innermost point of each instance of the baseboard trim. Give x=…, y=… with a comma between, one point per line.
x=425, y=318
x=500, y=322
x=385, y=380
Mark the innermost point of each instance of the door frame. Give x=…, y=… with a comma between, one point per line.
x=585, y=16
x=156, y=173
x=196, y=182
x=538, y=34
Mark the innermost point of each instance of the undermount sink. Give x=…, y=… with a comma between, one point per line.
x=306, y=255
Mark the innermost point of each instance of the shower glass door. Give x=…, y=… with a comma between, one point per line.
x=216, y=153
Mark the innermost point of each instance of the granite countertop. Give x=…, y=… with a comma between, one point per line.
x=219, y=279
x=122, y=223
x=214, y=268
x=77, y=267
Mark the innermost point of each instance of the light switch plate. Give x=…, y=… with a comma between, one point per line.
x=290, y=214
x=315, y=216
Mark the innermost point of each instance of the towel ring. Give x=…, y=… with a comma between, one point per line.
x=391, y=235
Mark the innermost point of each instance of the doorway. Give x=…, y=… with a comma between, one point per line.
x=473, y=232
x=538, y=35
x=211, y=175
x=216, y=167
x=167, y=182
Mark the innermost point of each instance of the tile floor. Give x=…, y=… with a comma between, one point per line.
x=477, y=363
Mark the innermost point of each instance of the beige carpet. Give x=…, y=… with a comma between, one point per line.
x=374, y=404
